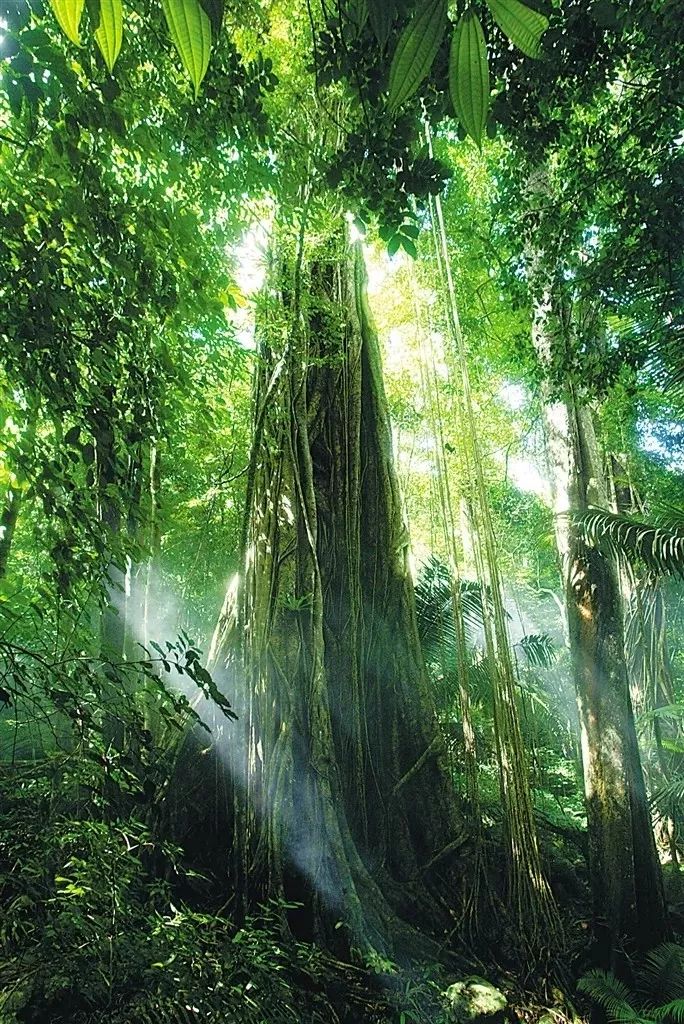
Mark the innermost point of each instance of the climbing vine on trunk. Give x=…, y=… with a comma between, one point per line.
x=340, y=788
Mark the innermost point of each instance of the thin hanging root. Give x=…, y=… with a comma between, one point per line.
x=477, y=874
x=415, y=768
x=533, y=911
x=455, y=844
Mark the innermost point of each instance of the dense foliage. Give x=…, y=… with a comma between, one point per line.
x=341, y=529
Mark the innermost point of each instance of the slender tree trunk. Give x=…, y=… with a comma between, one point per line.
x=113, y=618
x=476, y=869
x=15, y=494
x=628, y=903
x=8, y=522
x=113, y=611
x=342, y=797
x=647, y=658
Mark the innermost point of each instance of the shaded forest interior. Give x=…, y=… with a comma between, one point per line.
x=341, y=512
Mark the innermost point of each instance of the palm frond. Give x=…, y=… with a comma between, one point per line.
x=539, y=649
x=670, y=712
x=669, y=515
x=673, y=1011
x=480, y=676
x=434, y=609
x=665, y=360
x=672, y=745
x=659, y=548
x=670, y=792
x=653, y=330
x=535, y=694
x=640, y=621
x=660, y=976
x=611, y=994
x=662, y=973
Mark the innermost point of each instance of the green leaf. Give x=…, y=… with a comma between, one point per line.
x=356, y=15
x=214, y=11
x=381, y=14
x=409, y=246
x=68, y=14
x=107, y=19
x=190, y=30
x=416, y=51
x=469, y=75
x=660, y=548
x=393, y=245
x=523, y=26
x=539, y=649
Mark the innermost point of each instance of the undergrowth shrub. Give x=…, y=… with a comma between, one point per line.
x=88, y=932
x=658, y=994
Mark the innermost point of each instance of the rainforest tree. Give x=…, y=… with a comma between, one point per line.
x=341, y=738
x=234, y=242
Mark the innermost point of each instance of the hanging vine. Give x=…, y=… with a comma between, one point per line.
x=531, y=906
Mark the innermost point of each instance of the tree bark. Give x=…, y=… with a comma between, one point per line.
x=341, y=793
x=626, y=882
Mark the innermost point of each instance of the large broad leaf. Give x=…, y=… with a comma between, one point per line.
x=416, y=50
x=469, y=75
x=68, y=14
x=190, y=30
x=214, y=11
x=381, y=14
x=107, y=19
x=523, y=26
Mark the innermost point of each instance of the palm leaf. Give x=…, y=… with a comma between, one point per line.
x=659, y=548
x=660, y=976
x=673, y=1011
x=539, y=649
x=480, y=676
x=434, y=608
x=670, y=792
x=611, y=994
x=662, y=973
x=670, y=712
x=664, y=346
x=653, y=329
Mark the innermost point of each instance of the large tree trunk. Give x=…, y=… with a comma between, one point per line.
x=628, y=903
x=342, y=797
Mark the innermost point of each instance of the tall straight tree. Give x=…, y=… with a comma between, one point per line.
x=340, y=786
x=626, y=883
